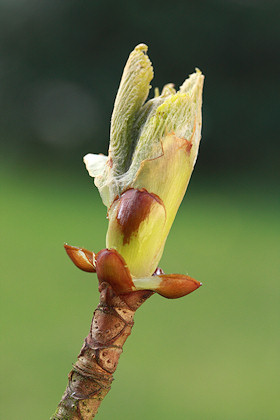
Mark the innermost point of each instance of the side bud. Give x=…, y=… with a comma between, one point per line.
x=171, y=286
x=82, y=258
x=111, y=268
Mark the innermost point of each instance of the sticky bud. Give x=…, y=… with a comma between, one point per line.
x=171, y=286
x=152, y=153
x=82, y=258
x=111, y=268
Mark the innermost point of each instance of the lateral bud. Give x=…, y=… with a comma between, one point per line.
x=82, y=258
x=111, y=268
x=171, y=286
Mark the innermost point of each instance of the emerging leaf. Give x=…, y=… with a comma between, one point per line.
x=152, y=152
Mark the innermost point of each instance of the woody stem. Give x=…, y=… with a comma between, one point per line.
x=91, y=377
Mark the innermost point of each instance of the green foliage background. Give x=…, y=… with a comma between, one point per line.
x=213, y=354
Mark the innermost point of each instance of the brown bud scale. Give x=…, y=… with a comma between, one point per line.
x=111, y=268
x=81, y=257
x=134, y=207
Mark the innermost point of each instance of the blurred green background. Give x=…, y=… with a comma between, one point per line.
x=213, y=354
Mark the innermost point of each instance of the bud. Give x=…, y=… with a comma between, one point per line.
x=82, y=258
x=152, y=152
x=110, y=267
x=171, y=286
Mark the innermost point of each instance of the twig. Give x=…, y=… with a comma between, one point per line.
x=92, y=375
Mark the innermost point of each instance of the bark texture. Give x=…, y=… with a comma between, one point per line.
x=91, y=377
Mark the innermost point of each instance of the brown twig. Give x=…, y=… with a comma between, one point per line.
x=92, y=375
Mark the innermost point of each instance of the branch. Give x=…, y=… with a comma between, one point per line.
x=92, y=375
